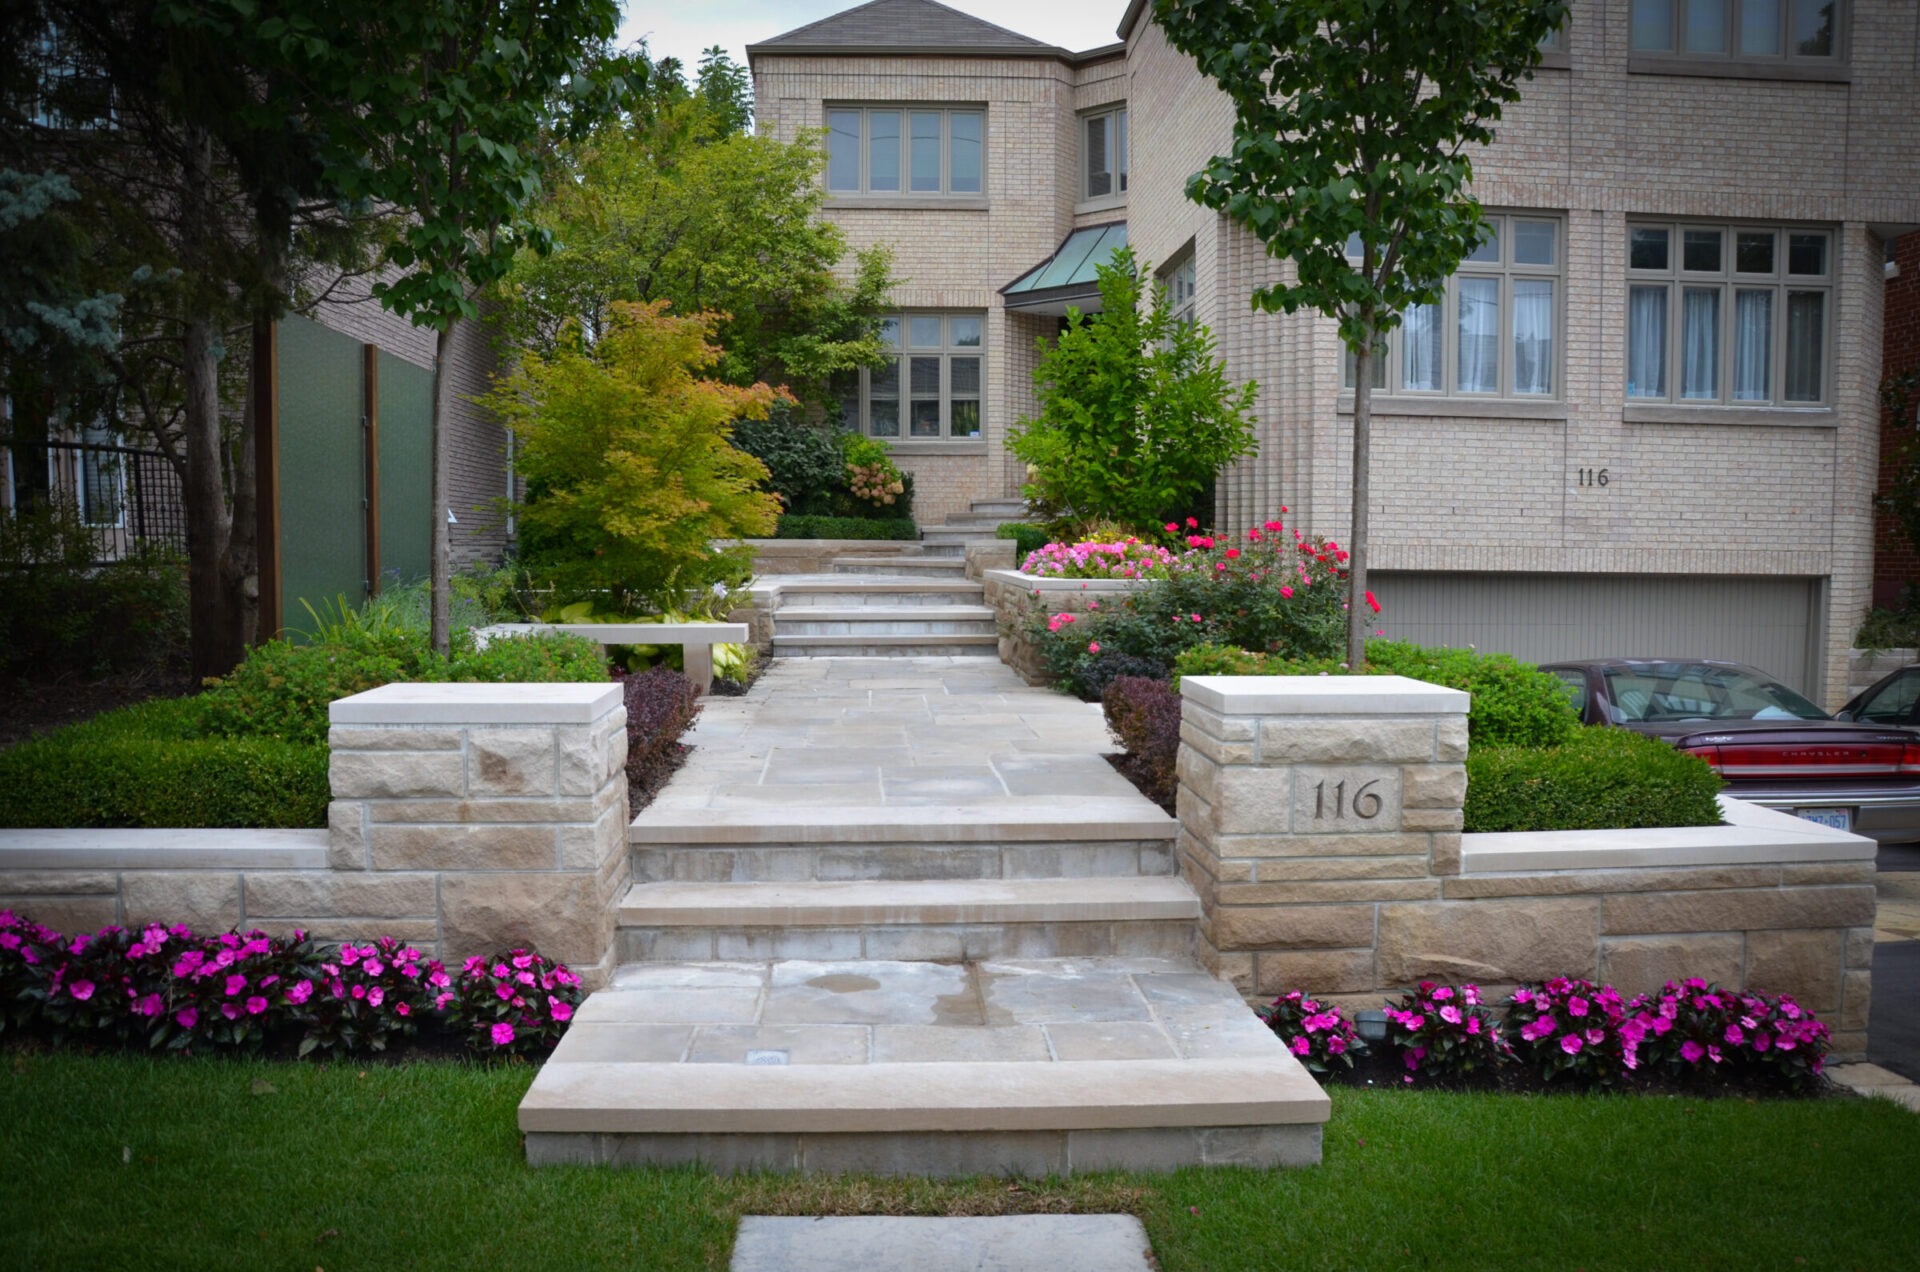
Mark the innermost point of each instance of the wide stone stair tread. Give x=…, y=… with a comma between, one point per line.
x=881, y=613
x=912, y=644
x=833, y=904
x=1124, y=816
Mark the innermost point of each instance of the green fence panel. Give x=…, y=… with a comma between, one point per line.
x=406, y=469
x=323, y=519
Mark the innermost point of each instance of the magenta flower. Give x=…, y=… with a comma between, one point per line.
x=186, y=1017
x=502, y=1034
x=1691, y=1051
x=1449, y=1013
x=1577, y=1006
x=81, y=989
x=148, y=1006
x=256, y=1005
x=1571, y=1044
x=1300, y=1046
x=376, y=996
x=301, y=991
x=235, y=984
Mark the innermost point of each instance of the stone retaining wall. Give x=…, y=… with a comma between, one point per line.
x=1017, y=597
x=1320, y=824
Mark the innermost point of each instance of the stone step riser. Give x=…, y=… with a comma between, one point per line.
x=906, y=567
x=842, y=862
x=973, y=521
x=905, y=598
x=939, y=549
x=881, y=625
x=805, y=647
x=921, y=942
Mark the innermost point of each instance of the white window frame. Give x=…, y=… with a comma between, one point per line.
x=1183, y=290
x=897, y=330
x=1113, y=120
x=1389, y=376
x=904, y=112
x=112, y=468
x=1732, y=17
x=1729, y=282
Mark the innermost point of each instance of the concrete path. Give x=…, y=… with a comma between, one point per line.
x=896, y=742
x=1008, y=1243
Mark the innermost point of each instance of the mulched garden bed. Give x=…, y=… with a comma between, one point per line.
x=643, y=786
x=1131, y=768
x=29, y=708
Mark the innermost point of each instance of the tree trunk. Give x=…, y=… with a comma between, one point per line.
x=1359, y=613
x=440, y=562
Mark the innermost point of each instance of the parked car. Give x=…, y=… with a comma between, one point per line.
x=1771, y=745
x=1892, y=699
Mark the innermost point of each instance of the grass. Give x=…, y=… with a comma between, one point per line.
x=121, y=1161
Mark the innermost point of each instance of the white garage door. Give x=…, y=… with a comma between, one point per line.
x=1768, y=623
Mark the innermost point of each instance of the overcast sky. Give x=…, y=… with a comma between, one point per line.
x=681, y=28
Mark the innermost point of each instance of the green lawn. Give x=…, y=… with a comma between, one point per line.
x=113, y=1162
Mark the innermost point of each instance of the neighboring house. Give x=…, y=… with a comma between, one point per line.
x=1896, y=561
x=1642, y=422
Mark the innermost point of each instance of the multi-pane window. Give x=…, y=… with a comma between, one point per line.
x=1495, y=330
x=1734, y=314
x=1737, y=29
x=1106, y=154
x=101, y=480
x=1180, y=292
x=931, y=388
x=905, y=150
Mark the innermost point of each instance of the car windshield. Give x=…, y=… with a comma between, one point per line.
x=1646, y=693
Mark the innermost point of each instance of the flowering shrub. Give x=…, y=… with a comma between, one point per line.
x=1701, y=1031
x=1444, y=1031
x=1272, y=590
x=167, y=988
x=1319, y=1034
x=517, y=1002
x=1128, y=559
x=1576, y=1029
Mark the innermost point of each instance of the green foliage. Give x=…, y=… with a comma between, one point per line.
x=818, y=472
x=1599, y=779
x=1136, y=415
x=1892, y=627
x=149, y=766
x=872, y=479
x=1027, y=537
x=1900, y=394
x=61, y=614
x=1514, y=704
x=724, y=90
x=795, y=526
x=625, y=450
x=1144, y=714
x=662, y=210
x=51, y=319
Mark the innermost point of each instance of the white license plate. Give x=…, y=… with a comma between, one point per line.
x=1838, y=818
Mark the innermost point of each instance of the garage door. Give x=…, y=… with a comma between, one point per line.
x=1766, y=622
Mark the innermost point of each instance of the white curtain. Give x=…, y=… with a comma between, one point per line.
x=1752, y=345
x=1478, y=328
x=1532, y=336
x=1700, y=343
x=1420, y=349
x=1647, y=341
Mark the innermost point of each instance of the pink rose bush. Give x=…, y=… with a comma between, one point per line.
x=1443, y=1031
x=1319, y=1034
x=170, y=989
x=1126, y=559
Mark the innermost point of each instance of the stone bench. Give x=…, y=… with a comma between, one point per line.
x=696, y=639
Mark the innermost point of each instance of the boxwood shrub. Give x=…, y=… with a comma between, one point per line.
x=1599, y=779
x=1027, y=537
x=794, y=525
x=149, y=766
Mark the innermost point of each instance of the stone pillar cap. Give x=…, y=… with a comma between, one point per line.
x=1323, y=695
x=512, y=703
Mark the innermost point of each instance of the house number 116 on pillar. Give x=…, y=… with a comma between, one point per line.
x=1331, y=800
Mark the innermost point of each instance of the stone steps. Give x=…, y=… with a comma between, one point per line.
x=777, y=858
x=866, y=645
x=910, y=567
x=1031, y=1067
x=938, y=920
x=883, y=620
x=858, y=590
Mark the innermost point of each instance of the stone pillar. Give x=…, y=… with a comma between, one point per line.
x=1307, y=801
x=511, y=797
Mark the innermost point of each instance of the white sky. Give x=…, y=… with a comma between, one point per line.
x=681, y=29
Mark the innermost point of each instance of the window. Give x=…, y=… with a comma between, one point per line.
x=906, y=151
x=1734, y=314
x=1743, y=30
x=101, y=481
x=931, y=389
x=1180, y=292
x=1105, y=154
x=1495, y=331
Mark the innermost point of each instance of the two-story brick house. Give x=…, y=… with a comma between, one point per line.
x=1642, y=421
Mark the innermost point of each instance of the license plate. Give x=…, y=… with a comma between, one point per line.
x=1838, y=818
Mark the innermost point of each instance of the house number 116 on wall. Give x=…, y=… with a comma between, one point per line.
x=1366, y=804
x=1591, y=476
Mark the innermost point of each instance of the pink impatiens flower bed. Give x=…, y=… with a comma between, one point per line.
x=1575, y=1033
x=170, y=989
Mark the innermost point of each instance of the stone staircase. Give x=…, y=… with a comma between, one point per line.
x=915, y=605
x=917, y=979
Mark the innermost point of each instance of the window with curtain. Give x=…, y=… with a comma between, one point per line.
x=905, y=150
x=1728, y=314
x=1104, y=152
x=1751, y=31
x=932, y=386
x=1495, y=331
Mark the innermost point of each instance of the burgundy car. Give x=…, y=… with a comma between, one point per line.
x=1771, y=745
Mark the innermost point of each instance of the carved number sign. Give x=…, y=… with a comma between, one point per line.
x=1331, y=801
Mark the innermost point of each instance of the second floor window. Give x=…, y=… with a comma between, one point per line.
x=1106, y=154
x=1738, y=29
x=905, y=151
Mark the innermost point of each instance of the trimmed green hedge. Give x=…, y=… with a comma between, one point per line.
x=1600, y=779
x=147, y=766
x=796, y=526
x=1027, y=538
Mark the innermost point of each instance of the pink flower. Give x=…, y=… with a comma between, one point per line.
x=1370, y=601
x=1443, y=993
x=1691, y=1051
x=1299, y=1046
x=1093, y=646
x=1577, y=1006
x=1473, y=1025
x=1233, y=554
x=148, y=1006
x=1193, y=618
x=81, y=989
x=1571, y=1044
x=376, y=996
x=235, y=984
x=403, y=1009
x=301, y=991
x=559, y=1010
x=1450, y=1014
x=502, y=1034
x=1173, y=527
x=441, y=1000
x=1286, y=591
x=186, y=1017
x=1192, y=523
x=256, y=1005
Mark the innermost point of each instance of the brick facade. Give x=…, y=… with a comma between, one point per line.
x=1456, y=487
x=1896, y=562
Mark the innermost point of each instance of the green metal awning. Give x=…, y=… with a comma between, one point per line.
x=1068, y=278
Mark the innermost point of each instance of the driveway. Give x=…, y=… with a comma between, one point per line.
x=1893, y=1031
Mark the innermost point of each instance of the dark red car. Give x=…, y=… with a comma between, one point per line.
x=1771, y=745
